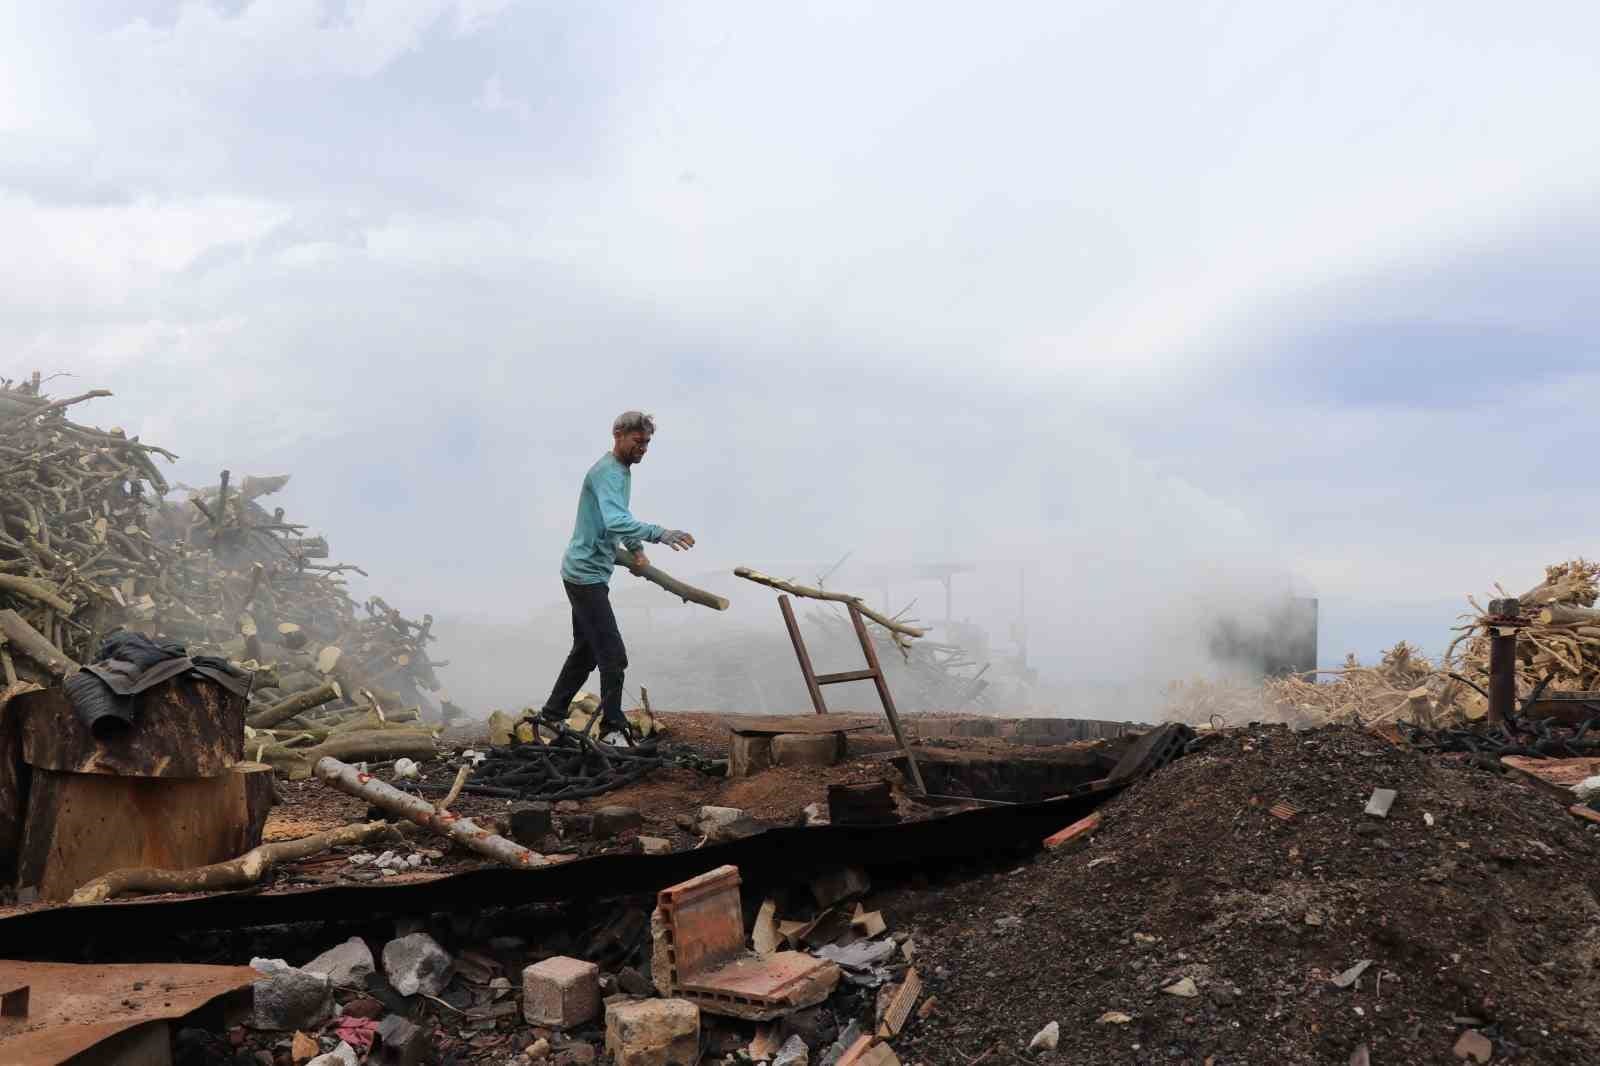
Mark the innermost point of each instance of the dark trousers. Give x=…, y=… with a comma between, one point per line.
x=596, y=641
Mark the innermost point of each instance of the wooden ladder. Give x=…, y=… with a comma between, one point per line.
x=873, y=673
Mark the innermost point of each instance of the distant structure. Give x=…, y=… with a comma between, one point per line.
x=1280, y=640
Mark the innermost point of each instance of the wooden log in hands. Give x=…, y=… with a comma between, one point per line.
x=463, y=831
x=681, y=589
x=823, y=594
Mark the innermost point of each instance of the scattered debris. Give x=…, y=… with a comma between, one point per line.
x=1184, y=987
x=1352, y=975
x=1382, y=799
x=1473, y=1045
x=1047, y=1038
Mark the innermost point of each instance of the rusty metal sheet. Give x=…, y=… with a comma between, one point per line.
x=774, y=724
x=71, y=1008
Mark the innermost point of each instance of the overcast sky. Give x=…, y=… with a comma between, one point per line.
x=1153, y=296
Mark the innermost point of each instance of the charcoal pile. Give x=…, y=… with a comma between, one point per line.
x=1245, y=904
x=90, y=542
x=562, y=763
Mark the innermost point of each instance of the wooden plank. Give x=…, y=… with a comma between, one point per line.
x=846, y=675
x=184, y=727
x=800, y=653
x=886, y=698
x=774, y=724
x=83, y=825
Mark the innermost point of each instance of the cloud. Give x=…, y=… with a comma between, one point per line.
x=1279, y=290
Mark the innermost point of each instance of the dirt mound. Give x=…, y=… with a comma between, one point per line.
x=1486, y=918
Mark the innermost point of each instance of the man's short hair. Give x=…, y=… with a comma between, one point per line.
x=634, y=422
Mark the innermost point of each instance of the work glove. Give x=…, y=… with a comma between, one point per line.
x=677, y=540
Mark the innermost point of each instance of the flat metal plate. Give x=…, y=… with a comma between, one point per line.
x=72, y=1008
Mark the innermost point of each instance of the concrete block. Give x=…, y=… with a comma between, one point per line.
x=748, y=754
x=560, y=992
x=806, y=749
x=653, y=1032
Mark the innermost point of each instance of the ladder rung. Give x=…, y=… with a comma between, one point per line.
x=848, y=675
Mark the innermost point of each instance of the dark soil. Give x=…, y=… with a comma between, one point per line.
x=1488, y=919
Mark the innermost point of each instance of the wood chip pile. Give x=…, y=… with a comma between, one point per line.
x=88, y=544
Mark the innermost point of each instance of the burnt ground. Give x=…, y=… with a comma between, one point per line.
x=1487, y=919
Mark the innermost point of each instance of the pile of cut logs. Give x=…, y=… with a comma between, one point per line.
x=89, y=544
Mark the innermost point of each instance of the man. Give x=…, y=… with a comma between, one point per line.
x=603, y=521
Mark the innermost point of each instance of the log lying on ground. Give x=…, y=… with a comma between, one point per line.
x=681, y=589
x=246, y=870
x=368, y=745
x=464, y=831
x=823, y=594
x=288, y=707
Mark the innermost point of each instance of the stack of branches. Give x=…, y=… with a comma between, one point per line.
x=1404, y=685
x=1558, y=635
x=87, y=544
x=76, y=556
x=1558, y=650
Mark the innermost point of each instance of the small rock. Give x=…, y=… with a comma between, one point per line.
x=343, y=1055
x=793, y=1053
x=1360, y=1056
x=655, y=845
x=303, y=1048
x=365, y=1007
x=539, y=1049
x=1353, y=974
x=711, y=817
x=615, y=819
x=530, y=823
x=416, y=963
x=814, y=814
x=577, y=1055
x=1047, y=1038
x=346, y=965
x=1114, y=1017
x=402, y=1043
x=1475, y=1046
x=1184, y=987
x=287, y=998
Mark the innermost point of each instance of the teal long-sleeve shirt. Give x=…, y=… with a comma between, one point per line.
x=603, y=520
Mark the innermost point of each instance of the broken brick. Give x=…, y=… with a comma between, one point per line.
x=1075, y=832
